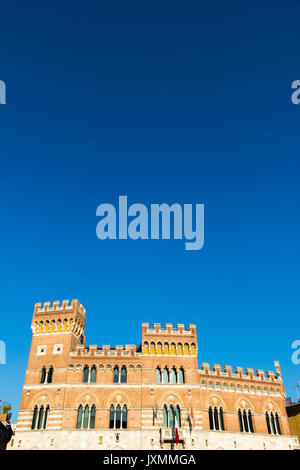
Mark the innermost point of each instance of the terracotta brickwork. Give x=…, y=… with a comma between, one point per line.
x=162, y=372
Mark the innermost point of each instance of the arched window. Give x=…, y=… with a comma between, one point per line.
x=159, y=348
x=111, y=416
x=193, y=349
x=93, y=374
x=50, y=375
x=186, y=349
x=123, y=375
x=181, y=375
x=179, y=349
x=216, y=418
x=93, y=417
x=34, y=417
x=211, y=418
x=268, y=423
x=221, y=418
x=177, y=415
x=171, y=417
x=118, y=417
x=250, y=421
x=166, y=376
x=152, y=348
x=146, y=348
x=277, y=422
x=166, y=348
x=173, y=349
x=245, y=420
x=86, y=373
x=165, y=416
x=41, y=418
x=43, y=375
x=46, y=417
x=79, y=417
x=240, y=420
x=124, y=417
x=158, y=375
x=86, y=417
x=116, y=375
x=173, y=376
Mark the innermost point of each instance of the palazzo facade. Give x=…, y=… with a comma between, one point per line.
x=128, y=397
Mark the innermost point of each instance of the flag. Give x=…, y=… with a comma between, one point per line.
x=176, y=430
x=155, y=412
x=191, y=415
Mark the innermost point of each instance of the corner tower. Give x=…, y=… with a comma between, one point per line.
x=56, y=331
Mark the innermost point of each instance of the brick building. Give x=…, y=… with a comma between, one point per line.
x=127, y=397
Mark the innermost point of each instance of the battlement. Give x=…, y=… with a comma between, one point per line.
x=59, y=318
x=65, y=306
x=216, y=371
x=169, y=330
x=106, y=351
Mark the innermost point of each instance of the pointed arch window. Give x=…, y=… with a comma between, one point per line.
x=86, y=373
x=277, y=422
x=111, y=416
x=93, y=374
x=34, y=417
x=216, y=419
x=166, y=375
x=211, y=418
x=273, y=424
x=171, y=417
x=124, y=417
x=123, y=375
x=50, y=375
x=40, y=418
x=221, y=418
x=79, y=417
x=159, y=348
x=46, y=417
x=158, y=375
x=43, y=375
x=86, y=417
x=116, y=374
x=165, y=416
x=173, y=376
x=93, y=417
x=118, y=417
x=177, y=415
x=245, y=420
x=181, y=375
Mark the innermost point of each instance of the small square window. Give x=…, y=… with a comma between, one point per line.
x=41, y=351
x=58, y=349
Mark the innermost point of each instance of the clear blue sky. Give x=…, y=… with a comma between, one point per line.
x=163, y=102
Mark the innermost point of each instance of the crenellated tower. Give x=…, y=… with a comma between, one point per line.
x=57, y=330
